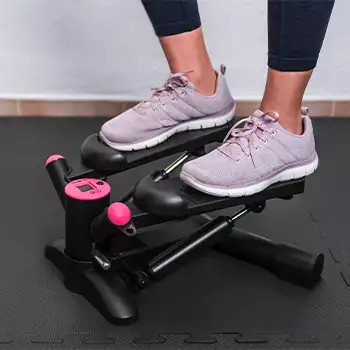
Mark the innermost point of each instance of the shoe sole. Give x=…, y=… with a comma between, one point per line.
x=286, y=175
x=203, y=123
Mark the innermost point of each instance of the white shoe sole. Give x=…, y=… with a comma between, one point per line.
x=202, y=123
x=286, y=175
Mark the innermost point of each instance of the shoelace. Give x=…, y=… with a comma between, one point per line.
x=171, y=86
x=243, y=136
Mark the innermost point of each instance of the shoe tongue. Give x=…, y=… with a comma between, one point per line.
x=260, y=117
x=264, y=118
x=234, y=149
x=258, y=113
x=181, y=80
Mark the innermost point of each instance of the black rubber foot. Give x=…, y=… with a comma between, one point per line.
x=107, y=292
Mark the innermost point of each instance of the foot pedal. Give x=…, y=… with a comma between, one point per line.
x=173, y=199
x=98, y=156
x=95, y=154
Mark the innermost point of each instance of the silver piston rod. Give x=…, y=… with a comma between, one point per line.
x=169, y=169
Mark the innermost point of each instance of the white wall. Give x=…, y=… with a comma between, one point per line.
x=106, y=49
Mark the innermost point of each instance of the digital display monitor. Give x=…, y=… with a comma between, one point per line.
x=85, y=188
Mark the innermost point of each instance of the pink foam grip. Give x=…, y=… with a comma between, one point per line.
x=119, y=214
x=53, y=158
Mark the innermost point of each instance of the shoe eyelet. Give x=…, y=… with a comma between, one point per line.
x=173, y=99
x=274, y=132
x=183, y=93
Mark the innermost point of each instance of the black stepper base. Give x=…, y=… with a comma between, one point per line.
x=287, y=262
x=107, y=292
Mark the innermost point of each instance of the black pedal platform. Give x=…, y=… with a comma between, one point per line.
x=171, y=198
x=95, y=154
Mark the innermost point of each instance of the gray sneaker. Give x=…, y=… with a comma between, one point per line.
x=174, y=108
x=253, y=157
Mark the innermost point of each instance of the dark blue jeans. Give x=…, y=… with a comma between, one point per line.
x=296, y=28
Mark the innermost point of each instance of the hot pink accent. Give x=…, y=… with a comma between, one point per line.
x=99, y=189
x=53, y=158
x=119, y=214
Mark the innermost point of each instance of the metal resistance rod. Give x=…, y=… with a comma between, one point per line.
x=169, y=169
x=286, y=261
x=240, y=214
x=160, y=175
x=207, y=235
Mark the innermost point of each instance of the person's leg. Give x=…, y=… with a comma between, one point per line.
x=187, y=53
x=177, y=24
x=195, y=95
x=276, y=143
x=296, y=33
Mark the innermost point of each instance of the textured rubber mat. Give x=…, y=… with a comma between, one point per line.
x=214, y=302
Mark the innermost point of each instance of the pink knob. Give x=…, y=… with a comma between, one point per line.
x=119, y=214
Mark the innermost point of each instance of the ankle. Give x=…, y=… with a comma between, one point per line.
x=204, y=82
x=290, y=120
x=293, y=125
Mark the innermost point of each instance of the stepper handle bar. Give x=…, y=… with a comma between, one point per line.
x=58, y=169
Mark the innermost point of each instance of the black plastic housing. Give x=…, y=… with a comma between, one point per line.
x=79, y=215
x=95, y=154
x=171, y=198
x=286, y=261
x=128, y=264
x=58, y=171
